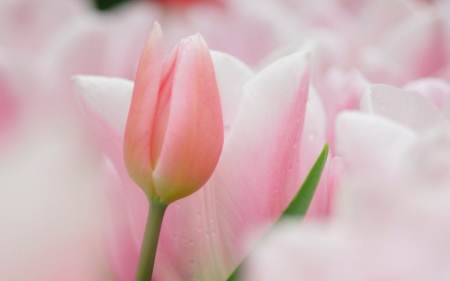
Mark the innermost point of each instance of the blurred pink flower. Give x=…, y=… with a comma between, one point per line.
x=50, y=209
x=392, y=218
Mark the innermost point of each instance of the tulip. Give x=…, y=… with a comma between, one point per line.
x=264, y=160
x=174, y=132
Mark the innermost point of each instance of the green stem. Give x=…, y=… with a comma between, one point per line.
x=150, y=243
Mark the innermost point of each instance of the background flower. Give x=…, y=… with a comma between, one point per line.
x=391, y=216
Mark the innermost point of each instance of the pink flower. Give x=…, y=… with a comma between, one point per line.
x=263, y=162
x=50, y=211
x=174, y=133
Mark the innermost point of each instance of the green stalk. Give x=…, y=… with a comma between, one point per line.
x=150, y=243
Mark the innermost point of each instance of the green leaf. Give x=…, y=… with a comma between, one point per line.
x=299, y=204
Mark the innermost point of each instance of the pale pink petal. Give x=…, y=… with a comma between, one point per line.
x=435, y=90
x=286, y=50
x=339, y=252
x=231, y=75
x=314, y=252
x=121, y=244
x=255, y=178
x=106, y=103
x=110, y=98
x=138, y=132
x=194, y=135
x=371, y=143
x=408, y=108
x=277, y=99
x=372, y=149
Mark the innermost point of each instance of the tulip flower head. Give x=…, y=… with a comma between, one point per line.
x=174, y=131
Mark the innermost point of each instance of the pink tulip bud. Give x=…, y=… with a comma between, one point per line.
x=174, y=132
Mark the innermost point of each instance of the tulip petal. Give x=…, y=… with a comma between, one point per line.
x=408, y=108
x=106, y=103
x=231, y=75
x=266, y=133
x=194, y=135
x=264, y=139
x=163, y=106
x=138, y=131
x=435, y=90
x=110, y=98
x=370, y=143
x=372, y=149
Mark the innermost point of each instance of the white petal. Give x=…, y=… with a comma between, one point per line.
x=231, y=75
x=435, y=90
x=371, y=143
x=108, y=97
x=408, y=108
